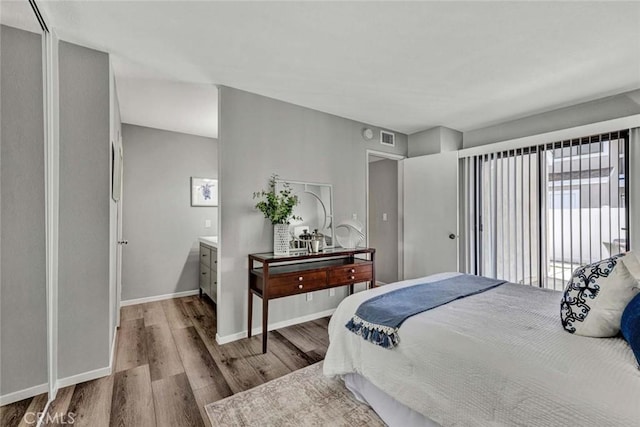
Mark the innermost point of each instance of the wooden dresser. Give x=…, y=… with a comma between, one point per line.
x=272, y=276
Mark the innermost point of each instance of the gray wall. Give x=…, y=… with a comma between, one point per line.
x=161, y=226
x=435, y=140
x=424, y=143
x=612, y=107
x=383, y=235
x=258, y=137
x=83, y=283
x=23, y=310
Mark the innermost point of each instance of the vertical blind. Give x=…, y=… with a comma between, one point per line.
x=535, y=214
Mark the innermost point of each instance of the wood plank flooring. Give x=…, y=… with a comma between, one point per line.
x=168, y=367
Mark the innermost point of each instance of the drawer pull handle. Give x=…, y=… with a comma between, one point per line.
x=215, y=262
x=352, y=277
x=204, y=254
x=300, y=279
x=204, y=273
x=300, y=286
x=215, y=283
x=353, y=270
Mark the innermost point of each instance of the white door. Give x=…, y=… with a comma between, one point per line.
x=430, y=214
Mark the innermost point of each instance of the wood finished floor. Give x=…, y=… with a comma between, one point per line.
x=168, y=367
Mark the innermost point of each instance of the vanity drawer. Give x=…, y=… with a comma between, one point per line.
x=297, y=283
x=352, y=273
x=205, y=255
x=214, y=260
x=205, y=278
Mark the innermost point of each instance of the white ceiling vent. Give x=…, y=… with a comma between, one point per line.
x=387, y=138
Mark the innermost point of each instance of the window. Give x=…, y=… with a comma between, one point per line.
x=537, y=213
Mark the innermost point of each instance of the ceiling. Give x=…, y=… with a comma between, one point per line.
x=151, y=99
x=406, y=66
x=18, y=14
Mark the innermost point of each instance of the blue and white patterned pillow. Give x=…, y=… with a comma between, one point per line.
x=597, y=294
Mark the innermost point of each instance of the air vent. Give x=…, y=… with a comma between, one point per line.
x=387, y=138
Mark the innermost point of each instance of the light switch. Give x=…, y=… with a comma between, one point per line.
x=354, y=217
x=384, y=216
x=332, y=292
x=207, y=223
x=309, y=296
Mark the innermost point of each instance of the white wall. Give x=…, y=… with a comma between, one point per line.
x=634, y=180
x=162, y=227
x=260, y=136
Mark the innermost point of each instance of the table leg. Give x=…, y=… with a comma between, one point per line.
x=250, y=308
x=373, y=270
x=250, y=302
x=265, y=325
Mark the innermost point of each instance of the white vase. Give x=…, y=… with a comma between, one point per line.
x=281, y=239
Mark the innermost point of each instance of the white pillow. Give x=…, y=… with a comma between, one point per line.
x=598, y=293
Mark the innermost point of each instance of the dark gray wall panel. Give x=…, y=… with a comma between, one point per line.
x=83, y=287
x=23, y=321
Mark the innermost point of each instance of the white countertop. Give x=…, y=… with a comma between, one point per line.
x=209, y=240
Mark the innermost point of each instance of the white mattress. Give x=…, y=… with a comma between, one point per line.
x=500, y=358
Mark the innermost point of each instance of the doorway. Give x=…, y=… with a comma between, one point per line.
x=384, y=228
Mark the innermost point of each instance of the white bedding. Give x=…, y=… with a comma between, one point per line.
x=500, y=358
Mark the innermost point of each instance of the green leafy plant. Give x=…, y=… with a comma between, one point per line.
x=277, y=207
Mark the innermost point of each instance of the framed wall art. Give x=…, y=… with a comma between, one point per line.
x=204, y=191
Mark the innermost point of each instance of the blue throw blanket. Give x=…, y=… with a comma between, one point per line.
x=379, y=318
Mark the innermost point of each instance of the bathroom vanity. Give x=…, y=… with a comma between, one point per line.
x=209, y=267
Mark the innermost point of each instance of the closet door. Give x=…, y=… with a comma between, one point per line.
x=23, y=306
x=430, y=214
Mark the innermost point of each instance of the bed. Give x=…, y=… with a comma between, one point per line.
x=498, y=358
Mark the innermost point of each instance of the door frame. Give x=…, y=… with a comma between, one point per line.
x=52, y=197
x=397, y=158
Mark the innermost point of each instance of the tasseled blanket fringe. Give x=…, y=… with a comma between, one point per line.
x=381, y=335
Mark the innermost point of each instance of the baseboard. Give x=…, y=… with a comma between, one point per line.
x=96, y=373
x=159, y=297
x=24, y=394
x=272, y=326
x=83, y=377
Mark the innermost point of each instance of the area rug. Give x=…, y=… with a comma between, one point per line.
x=301, y=398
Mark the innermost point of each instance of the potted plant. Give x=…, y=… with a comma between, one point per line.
x=277, y=207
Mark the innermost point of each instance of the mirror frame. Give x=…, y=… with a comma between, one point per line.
x=329, y=212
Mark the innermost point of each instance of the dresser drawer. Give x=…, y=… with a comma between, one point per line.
x=352, y=273
x=205, y=255
x=297, y=283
